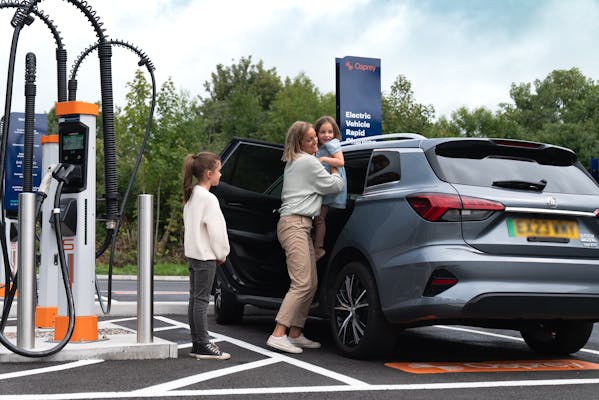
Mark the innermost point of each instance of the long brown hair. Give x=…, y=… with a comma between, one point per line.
x=323, y=120
x=293, y=140
x=195, y=165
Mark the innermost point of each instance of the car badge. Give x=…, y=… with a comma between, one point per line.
x=551, y=201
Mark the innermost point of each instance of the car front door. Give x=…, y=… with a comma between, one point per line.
x=249, y=196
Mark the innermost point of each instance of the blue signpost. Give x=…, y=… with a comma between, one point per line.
x=13, y=184
x=358, y=96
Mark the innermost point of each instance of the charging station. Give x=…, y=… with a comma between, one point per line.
x=76, y=123
x=68, y=225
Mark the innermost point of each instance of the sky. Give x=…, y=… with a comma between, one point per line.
x=454, y=52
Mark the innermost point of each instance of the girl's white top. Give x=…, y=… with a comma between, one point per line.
x=205, y=228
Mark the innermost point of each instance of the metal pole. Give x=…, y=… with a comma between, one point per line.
x=145, y=269
x=26, y=271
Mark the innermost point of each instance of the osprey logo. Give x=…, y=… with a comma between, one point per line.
x=551, y=201
x=359, y=66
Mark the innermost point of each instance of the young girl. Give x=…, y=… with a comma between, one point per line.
x=206, y=245
x=329, y=153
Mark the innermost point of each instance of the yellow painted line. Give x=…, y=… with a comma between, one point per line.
x=493, y=366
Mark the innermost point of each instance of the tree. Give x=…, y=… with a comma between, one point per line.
x=240, y=97
x=299, y=99
x=561, y=109
x=401, y=113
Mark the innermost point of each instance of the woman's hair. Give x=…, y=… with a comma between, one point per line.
x=293, y=140
x=195, y=165
x=323, y=120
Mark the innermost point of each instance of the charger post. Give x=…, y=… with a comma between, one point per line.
x=77, y=146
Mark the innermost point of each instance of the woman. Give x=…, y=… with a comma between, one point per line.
x=305, y=181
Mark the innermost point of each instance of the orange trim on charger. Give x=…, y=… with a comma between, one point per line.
x=3, y=291
x=52, y=138
x=86, y=328
x=76, y=107
x=45, y=317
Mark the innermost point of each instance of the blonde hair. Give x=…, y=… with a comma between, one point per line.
x=326, y=119
x=196, y=165
x=293, y=140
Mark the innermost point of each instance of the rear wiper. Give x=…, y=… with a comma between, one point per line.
x=522, y=185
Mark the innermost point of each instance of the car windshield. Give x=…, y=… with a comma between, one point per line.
x=482, y=163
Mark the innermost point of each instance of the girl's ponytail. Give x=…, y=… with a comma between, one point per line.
x=195, y=165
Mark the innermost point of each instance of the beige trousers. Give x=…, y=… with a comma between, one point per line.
x=293, y=232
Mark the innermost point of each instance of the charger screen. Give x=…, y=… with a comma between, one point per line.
x=72, y=141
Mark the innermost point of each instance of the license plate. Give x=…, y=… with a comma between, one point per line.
x=550, y=228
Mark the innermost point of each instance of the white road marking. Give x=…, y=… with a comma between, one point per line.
x=302, y=389
x=281, y=357
x=484, y=333
x=54, y=368
x=168, y=389
x=193, y=379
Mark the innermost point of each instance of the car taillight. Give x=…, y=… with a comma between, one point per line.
x=437, y=207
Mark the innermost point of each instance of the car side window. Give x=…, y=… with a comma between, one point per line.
x=356, y=166
x=384, y=168
x=253, y=167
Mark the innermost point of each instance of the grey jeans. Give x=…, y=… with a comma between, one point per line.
x=201, y=277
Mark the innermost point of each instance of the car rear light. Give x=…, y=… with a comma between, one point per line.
x=439, y=207
x=440, y=280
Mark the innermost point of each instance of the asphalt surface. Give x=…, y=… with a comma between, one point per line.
x=256, y=372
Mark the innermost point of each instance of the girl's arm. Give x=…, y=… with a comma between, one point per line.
x=336, y=159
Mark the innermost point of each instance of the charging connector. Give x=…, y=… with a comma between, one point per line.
x=68, y=173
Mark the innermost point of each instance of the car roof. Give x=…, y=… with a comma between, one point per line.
x=414, y=140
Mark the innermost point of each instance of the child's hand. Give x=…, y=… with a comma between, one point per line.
x=220, y=262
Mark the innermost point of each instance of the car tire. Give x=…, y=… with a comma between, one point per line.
x=358, y=326
x=558, y=338
x=227, y=309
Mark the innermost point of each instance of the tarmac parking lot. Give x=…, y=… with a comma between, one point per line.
x=436, y=362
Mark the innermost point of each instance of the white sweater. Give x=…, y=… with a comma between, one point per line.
x=304, y=182
x=205, y=228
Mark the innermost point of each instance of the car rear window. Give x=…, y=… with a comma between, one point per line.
x=481, y=163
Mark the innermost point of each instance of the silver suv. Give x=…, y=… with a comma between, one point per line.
x=483, y=232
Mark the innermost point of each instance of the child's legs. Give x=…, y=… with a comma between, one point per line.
x=201, y=278
x=320, y=228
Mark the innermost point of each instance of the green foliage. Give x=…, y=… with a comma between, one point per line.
x=401, y=113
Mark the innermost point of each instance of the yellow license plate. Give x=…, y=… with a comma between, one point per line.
x=550, y=228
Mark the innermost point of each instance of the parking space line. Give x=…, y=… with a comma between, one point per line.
x=303, y=389
x=54, y=368
x=517, y=339
x=191, y=380
x=278, y=356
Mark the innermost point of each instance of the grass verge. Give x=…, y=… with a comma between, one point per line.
x=163, y=269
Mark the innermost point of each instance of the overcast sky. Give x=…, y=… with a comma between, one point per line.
x=455, y=52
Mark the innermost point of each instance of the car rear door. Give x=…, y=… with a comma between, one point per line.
x=249, y=196
x=549, y=201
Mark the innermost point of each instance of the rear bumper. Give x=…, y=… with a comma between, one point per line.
x=489, y=287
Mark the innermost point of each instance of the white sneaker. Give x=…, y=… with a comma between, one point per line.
x=282, y=343
x=302, y=341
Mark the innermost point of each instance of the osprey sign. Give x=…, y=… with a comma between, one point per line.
x=358, y=96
